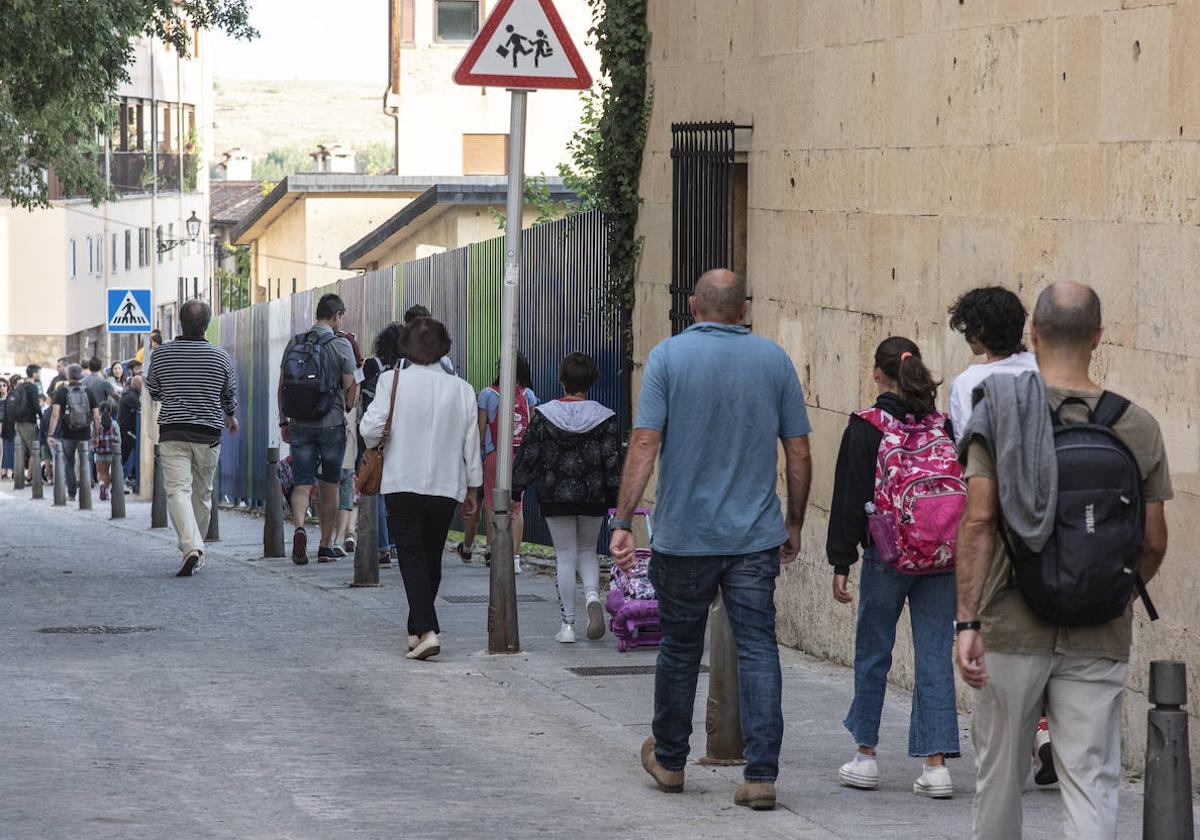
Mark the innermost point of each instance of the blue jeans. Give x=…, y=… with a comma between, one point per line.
x=317, y=446
x=933, y=727
x=686, y=587
x=385, y=539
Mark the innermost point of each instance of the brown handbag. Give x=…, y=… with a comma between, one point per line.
x=370, y=471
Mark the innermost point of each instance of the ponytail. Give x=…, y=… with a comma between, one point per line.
x=106, y=415
x=900, y=360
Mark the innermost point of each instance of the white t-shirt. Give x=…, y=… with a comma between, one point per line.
x=967, y=381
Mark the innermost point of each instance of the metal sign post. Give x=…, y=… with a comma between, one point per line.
x=503, y=636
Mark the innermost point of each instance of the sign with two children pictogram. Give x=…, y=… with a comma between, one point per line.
x=524, y=45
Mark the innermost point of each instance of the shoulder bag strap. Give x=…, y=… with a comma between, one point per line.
x=387, y=427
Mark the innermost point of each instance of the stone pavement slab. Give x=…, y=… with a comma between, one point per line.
x=273, y=701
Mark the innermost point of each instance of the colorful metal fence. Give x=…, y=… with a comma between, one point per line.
x=562, y=310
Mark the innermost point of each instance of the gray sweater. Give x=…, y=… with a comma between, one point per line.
x=1011, y=417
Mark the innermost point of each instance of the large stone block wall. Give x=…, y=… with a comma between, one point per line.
x=904, y=151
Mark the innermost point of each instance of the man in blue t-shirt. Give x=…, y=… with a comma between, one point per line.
x=717, y=400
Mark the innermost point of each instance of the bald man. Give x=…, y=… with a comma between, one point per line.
x=1077, y=671
x=715, y=403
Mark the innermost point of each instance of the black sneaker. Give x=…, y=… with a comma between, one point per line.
x=326, y=555
x=300, y=547
x=385, y=557
x=463, y=552
x=338, y=551
x=189, y=564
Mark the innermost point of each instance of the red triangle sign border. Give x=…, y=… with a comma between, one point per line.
x=463, y=75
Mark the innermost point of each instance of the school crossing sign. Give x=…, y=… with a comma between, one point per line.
x=524, y=45
x=129, y=310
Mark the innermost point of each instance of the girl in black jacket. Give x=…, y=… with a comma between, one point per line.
x=572, y=452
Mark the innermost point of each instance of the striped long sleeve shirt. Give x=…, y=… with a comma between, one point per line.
x=197, y=386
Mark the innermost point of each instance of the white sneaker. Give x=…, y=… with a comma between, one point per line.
x=429, y=646
x=516, y=564
x=199, y=563
x=860, y=772
x=595, y=628
x=566, y=634
x=934, y=783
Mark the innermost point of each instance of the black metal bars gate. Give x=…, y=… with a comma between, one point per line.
x=702, y=159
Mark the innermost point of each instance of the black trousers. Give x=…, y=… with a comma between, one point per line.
x=418, y=526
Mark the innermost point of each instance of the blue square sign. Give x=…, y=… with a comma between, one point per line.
x=129, y=310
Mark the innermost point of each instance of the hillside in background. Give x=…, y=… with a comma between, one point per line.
x=289, y=118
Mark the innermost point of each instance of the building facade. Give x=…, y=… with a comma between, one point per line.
x=893, y=154
x=56, y=264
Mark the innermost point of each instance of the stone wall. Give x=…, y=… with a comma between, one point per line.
x=904, y=151
x=17, y=351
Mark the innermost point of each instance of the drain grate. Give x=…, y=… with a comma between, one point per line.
x=618, y=670
x=483, y=599
x=98, y=630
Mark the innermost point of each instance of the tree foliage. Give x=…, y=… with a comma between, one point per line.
x=61, y=63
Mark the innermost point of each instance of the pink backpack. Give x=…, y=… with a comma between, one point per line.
x=920, y=494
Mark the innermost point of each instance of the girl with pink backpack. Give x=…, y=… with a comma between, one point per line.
x=898, y=494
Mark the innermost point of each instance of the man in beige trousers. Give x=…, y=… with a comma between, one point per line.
x=197, y=387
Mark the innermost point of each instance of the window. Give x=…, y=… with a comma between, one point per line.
x=457, y=20
x=114, y=254
x=100, y=255
x=91, y=257
x=407, y=22
x=128, y=250
x=71, y=258
x=143, y=247
x=485, y=154
x=158, y=242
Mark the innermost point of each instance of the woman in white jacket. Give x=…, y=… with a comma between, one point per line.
x=430, y=463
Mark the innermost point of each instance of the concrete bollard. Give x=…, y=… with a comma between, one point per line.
x=60, y=476
x=158, y=501
x=214, y=525
x=84, y=450
x=366, y=546
x=722, y=718
x=35, y=468
x=504, y=635
x=273, y=521
x=118, y=482
x=18, y=462
x=1167, y=812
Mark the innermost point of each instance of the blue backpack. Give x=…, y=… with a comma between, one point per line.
x=311, y=381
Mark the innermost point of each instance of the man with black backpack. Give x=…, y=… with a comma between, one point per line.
x=80, y=415
x=316, y=389
x=1064, y=525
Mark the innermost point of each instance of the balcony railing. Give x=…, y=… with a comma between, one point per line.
x=135, y=172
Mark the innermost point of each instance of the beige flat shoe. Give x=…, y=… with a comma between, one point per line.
x=413, y=641
x=760, y=796
x=429, y=646
x=668, y=781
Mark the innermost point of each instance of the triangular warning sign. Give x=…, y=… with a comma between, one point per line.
x=524, y=44
x=129, y=313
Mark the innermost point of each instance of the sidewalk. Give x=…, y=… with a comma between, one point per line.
x=275, y=701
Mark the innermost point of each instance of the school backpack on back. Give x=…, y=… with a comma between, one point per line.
x=310, y=376
x=920, y=494
x=79, y=408
x=1089, y=570
x=17, y=405
x=520, y=418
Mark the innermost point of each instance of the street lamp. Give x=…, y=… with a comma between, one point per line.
x=193, y=230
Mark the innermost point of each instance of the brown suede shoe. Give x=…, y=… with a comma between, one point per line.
x=757, y=795
x=668, y=781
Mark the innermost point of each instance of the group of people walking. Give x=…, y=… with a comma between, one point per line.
x=974, y=521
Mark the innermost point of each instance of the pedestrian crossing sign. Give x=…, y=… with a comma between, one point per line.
x=129, y=310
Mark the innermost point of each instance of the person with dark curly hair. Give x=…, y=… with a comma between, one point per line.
x=992, y=320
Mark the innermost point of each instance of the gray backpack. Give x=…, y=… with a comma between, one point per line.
x=79, y=408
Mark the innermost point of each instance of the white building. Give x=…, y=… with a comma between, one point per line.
x=56, y=264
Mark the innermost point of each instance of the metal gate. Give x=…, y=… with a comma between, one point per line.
x=702, y=158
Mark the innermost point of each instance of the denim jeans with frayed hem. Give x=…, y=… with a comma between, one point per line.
x=933, y=726
x=686, y=587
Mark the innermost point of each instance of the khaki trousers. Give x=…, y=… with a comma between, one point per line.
x=188, y=470
x=1082, y=697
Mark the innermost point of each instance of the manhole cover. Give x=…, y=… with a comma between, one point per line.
x=483, y=599
x=98, y=630
x=618, y=670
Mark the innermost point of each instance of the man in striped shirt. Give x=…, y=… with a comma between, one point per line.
x=197, y=387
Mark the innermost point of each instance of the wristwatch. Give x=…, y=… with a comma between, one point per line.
x=615, y=524
x=974, y=624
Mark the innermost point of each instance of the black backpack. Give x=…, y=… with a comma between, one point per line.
x=79, y=408
x=1089, y=570
x=17, y=406
x=311, y=376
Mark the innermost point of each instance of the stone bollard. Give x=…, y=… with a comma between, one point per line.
x=158, y=501
x=1167, y=811
x=18, y=462
x=722, y=718
x=273, y=521
x=35, y=469
x=84, y=450
x=366, y=546
x=118, y=482
x=214, y=525
x=60, y=476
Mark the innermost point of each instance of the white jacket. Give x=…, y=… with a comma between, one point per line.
x=434, y=447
